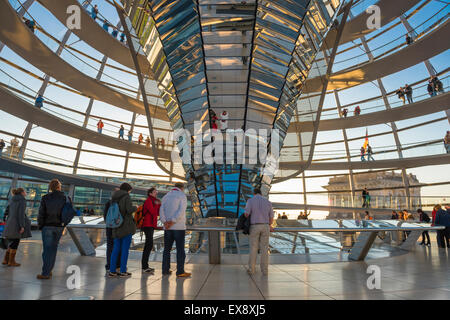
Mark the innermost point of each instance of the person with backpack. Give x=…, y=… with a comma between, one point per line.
x=109, y=239
x=423, y=217
x=150, y=213
x=51, y=225
x=123, y=231
x=17, y=227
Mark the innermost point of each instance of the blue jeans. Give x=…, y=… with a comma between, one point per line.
x=121, y=246
x=171, y=236
x=99, y=130
x=50, y=241
x=109, y=249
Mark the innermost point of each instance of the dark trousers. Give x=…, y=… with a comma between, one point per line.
x=13, y=243
x=425, y=234
x=109, y=249
x=50, y=241
x=148, y=231
x=171, y=236
x=443, y=237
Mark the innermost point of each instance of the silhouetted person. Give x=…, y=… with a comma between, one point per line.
x=408, y=93
x=344, y=112
x=408, y=39
x=365, y=196
x=423, y=217
x=401, y=94
x=94, y=12
x=369, y=153
x=30, y=24
x=121, y=132
x=39, y=102
x=447, y=142
x=363, y=153
x=100, y=126
x=2, y=146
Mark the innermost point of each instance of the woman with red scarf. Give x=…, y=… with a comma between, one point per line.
x=151, y=213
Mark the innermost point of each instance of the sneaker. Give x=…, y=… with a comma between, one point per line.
x=183, y=275
x=42, y=277
x=112, y=274
x=124, y=275
x=148, y=270
x=167, y=273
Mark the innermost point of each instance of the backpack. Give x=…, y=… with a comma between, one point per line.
x=68, y=212
x=139, y=216
x=114, y=218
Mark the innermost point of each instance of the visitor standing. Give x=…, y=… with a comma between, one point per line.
x=147, y=142
x=106, y=26
x=401, y=94
x=140, y=138
x=17, y=227
x=173, y=215
x=423, y=217
x=39, y=102
x=123, y=234
x=431, y=89
x=345, y=112
x=365, y=196
x=443, y=219
x=49, y=221
x=369, y=153
x=408, y=93
x=100, y=126
x=260, y=211
x=357, y=111
x=94, y=12
x=2, y=146
x=121, y=132
x=447, y=141
x=109, y=239
x=151, y=212
x=363, y=153
x=130, y=135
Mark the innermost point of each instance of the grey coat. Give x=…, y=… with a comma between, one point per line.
x=17, y=219
x=126, y=209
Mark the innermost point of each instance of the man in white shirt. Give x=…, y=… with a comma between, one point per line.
x=173, y=215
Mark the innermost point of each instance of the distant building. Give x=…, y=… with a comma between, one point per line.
x=389, y=197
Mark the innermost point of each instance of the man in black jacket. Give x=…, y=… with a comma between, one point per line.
x=49, y=221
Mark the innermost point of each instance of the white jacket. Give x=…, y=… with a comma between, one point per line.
x=173, y=208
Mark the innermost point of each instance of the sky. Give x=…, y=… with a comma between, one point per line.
x=433, y=11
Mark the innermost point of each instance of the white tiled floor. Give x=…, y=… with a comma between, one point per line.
x=422, y=274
